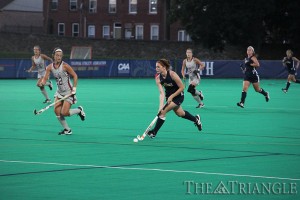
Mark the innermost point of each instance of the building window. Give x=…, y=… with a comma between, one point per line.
x=61, y=29
x=183, y=36
x=75, y=29
x=93, y=6
x=54, y=4
x=91, y=31
x=132, y=6
x=154, y=32
x=106, y=32
x=139, y=32
x=153, y=6
x=112, y=7
x=128, y=31
x=73, y=5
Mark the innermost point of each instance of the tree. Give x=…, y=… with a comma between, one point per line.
x=215, y=23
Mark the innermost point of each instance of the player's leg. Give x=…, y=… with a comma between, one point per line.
x=44, y=92
x=60, y=110
x=195, y=94
x=161, y=119
x=186, y=115
x=246, y=85
x=261, y=91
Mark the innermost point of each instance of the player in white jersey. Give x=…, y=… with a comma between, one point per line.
x=38, y=61
x=193, y=66
x=62, y=72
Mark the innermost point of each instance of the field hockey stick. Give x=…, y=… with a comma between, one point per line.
x=184, y=82
x=52, y=104
x=26, y=70
x=242, y=67
x=150, y=125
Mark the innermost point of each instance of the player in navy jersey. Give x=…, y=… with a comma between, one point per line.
x=173, y=94
x=251, y=76
x=289, y=63
x=193, y=66
x=62, y=72
x=39, y=62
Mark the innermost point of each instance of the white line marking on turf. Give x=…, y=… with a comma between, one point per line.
x=152, y=169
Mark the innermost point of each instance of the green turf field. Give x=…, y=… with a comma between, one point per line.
x=250, y=153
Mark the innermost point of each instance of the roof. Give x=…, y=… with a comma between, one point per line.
x=23, y=5
x=3, y=3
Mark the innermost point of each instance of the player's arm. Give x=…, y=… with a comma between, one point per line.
x=183, y=69
x=296, y=60
x=70, y=71
x=161, y=93
x=47, y=74
x=46, y=57
x=284, y=61
x=199, y=63
x=33, y=65
x=177, y=80
x=255, y=62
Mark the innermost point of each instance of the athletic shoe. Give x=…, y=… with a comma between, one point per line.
x=267, y=97
x=201, y=96
x=151, y=134
x=201, y=105
x=284, y=90
x=198, y=122
x=47, y=101
x=240, y=104
x=50, y=85
x=82, y=113
x=65, y=132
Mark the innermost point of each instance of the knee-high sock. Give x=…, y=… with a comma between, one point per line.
x=297, y=81
x=243, y=97
x=197, y=98
x=188, y=116
x=263, y=92
x=287, y=85
x=159, y=124
x=74, y=111
x=63, y=122
x=44, y=92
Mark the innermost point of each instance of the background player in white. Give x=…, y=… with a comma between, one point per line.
x=62, y=72
x=193, y=66
x=38, y=61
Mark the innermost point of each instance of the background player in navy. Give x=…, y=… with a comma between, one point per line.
x=38, y=62
x=251, y=76
x=173, y=94
x=62, y=72
x=289, y=63
x=193, y=66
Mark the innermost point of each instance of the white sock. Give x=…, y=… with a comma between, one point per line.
x=44, y=92
x=74, y=111
x=197, y=98
x=63, y=122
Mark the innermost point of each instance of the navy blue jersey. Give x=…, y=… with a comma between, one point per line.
x=169, y=84
x=289, y=65
x=251, y=74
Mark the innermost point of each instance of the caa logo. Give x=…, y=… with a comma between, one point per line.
x=123, y=68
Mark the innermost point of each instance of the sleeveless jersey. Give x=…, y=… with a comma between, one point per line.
x=191, y=66
x=64, y=85
x=40, y=65
x=289, y=64
x=169, y=84
x=249, y=69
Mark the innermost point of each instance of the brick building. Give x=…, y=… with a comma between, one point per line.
x=111, y=19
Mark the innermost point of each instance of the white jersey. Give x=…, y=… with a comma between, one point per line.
x=40, y=66
x=191, y=67
x=64, y=85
